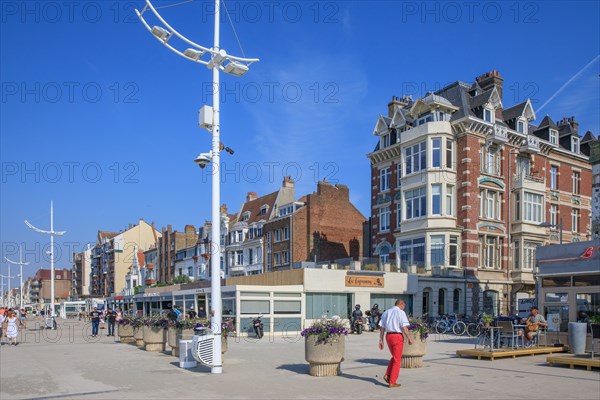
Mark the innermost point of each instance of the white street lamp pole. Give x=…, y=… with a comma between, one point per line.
x=52, y=233
x=20, y=264
x=219, y=60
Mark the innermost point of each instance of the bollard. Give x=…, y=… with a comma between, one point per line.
x=186, y=359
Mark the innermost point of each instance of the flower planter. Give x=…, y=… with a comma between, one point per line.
x=174, y=335
x=325, y=359
x=223, y=344
x=125, y=333
x=138, y=336
x=412, y=355
x=155, y=338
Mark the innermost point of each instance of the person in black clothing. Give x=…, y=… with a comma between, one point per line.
x=356, y=314
x=112, y=317
x=95, y=316
x=192, y=314
x=201, y=313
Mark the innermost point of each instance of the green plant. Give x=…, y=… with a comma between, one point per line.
x=595, y=319
x=182, y=279
x=187, y=323
x=487, y=319
x=326, y=331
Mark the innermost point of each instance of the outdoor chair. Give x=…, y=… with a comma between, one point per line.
x=541, y=333
x=507, y=333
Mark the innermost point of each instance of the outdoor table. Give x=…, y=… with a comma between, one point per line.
x=491, y=330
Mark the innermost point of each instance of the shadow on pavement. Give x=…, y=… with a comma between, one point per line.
x=298, y=368
x=374, y=361
x=362, y=378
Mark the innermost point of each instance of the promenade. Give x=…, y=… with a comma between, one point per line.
x=67, y=364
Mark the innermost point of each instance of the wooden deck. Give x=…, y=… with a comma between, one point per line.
x=504, y=352
x=573, y=360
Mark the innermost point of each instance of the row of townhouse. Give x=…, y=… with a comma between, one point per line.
x=464, y=190
x=268, y=233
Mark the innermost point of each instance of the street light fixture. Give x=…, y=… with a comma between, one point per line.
x=20, y=264
x=546, y=224
x=52, y=233
x=236, y=66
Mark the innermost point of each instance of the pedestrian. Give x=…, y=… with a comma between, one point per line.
x=192, y=314
x=201, y=313
x=393, y=322
x=11, y=327
x=177, y=311
x=24, y=318
x=2, y=318
x=111, y=317
x=95, y=316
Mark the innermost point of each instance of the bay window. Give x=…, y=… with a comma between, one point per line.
x=436, y=152
x=415, y=203
x=532, y=207
x=436, y=199
x=416, y=158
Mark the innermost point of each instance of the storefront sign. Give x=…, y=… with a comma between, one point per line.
x=364, y=281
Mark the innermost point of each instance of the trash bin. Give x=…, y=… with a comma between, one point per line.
x=186, y=359
x=577, y=337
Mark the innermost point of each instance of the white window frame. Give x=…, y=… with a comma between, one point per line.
x=286, y=233
x=576, y=182
x=449, y=200
x=385, y=141
x=399, y=173
x=490, y=160
x=575, y=145
x=490, y=204
x=413, y=157
x=278, y=235
x=521, y=126
x=385, y=176
x=554, y=177
x=553, y=136
x=434, y=240
x=575, y=219
x=436, y=149
x=488, y=115
x=384, y=218
x=449, y=153
x=553, y=215
x=533, y=204
x=415, y=196
x=436, y=196
x=453, y=244
x=398, y=213
x=490, y=250
x=529, y=249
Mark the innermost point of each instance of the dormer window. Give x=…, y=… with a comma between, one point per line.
x=385, y=141
x=575, y=145
x=521, y=126
x=423, y=119
x=264, y=209
x=441, y=116
x=246, y=216
x=488, y=115
x=554, y=136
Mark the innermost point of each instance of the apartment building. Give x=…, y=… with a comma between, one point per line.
x=40, y=289
x=244, y=248
x=112, y=256
x=465, y=189
x=169, y=243
x=595, y=161
x=321, y=226
x=81, y=273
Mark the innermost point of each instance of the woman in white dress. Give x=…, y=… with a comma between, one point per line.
x=11, y=327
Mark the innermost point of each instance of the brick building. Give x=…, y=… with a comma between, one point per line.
x=40, y=289
x=450, y=171
x=321, y=226
x=169, y=243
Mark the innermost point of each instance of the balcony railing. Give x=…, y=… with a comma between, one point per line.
x=531, y=145
x=498, y=134
x=529, y=180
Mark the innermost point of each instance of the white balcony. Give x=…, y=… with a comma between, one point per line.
x=529, y=181
x=531, y=145
x=498, y=134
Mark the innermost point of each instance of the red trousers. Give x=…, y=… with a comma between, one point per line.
x=396, y=345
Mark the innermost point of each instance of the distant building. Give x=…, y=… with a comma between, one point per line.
x=595, y=161
x=40, y=291
x=169, y=243
x=82, y=273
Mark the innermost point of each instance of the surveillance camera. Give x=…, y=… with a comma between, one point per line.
x=203, y=159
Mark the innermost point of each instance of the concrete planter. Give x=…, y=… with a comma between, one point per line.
x=577, y=337
x=412, y=355
x=175, y=335
x=138, y=336
x=223, y=344
x=325, y=359
x=155, y=338
x=125, y=333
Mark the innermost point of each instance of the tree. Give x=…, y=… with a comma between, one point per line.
x=182, y=279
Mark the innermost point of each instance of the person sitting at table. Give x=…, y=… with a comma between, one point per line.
x=533, y=322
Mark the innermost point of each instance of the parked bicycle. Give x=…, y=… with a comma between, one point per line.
x=450, y=323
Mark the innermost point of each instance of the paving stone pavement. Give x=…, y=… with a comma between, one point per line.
x=69, y=364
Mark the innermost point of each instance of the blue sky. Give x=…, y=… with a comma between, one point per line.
x=99, y=117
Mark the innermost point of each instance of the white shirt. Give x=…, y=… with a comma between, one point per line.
x=393, y=320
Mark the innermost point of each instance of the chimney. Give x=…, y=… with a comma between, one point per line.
x=490, y=80
x=251, y=196
x=223, y=208
x=404, y=101
x=130, y=226
x=288, y=182
x=574, y=125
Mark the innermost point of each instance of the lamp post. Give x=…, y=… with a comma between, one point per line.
x=209, y=118
x=559, y=226
x=52, y=233
x=20, y=264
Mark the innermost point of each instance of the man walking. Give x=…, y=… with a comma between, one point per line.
x=95, y=316
x=393, y=322
x=112, y=317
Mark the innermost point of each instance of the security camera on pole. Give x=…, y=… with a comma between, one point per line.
x=52, y=233
x=209, y=118
x=20, y=264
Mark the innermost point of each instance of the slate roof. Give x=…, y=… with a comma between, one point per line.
x=514, y=111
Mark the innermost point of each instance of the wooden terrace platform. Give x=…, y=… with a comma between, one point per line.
x=509, y=352
x=573, y=360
